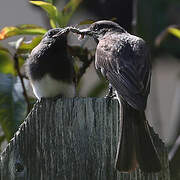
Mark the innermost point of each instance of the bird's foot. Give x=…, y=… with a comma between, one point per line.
x=111, y=94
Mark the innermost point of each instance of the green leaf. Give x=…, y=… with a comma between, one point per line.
x=25, y=29
x=52, y=23
x=23, y=46
x=85, y=22
x=12, y=104
x=67, y=12
x=51, y=10
x=174, y=31
x=28, y=46
x=49, y=1
x=6, y=62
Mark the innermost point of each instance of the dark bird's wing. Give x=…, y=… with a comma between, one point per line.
x=127, y=68
x=124, y=61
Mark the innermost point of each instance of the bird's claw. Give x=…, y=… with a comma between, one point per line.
x=110, y=96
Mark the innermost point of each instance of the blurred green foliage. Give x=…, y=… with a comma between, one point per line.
x=58, y=18
x=152, y=18
x=12, y=104
x=158, y=23
x=6, y=62
x=174, y=167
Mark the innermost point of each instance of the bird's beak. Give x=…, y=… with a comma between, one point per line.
x=86, y=32
x=81, y=32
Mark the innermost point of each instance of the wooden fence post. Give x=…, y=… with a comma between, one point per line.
x=71, y=139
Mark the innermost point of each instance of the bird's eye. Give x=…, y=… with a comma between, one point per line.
x=51, y=33
x=96, y=28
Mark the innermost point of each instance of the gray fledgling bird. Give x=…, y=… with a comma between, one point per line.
x=49, y=68
x=124, y=60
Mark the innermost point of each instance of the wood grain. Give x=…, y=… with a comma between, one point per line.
x=71, y=139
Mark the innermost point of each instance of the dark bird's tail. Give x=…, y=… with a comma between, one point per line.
x=136, y=147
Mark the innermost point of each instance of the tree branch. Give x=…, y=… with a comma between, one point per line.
x=83, y=68
x=16, y=65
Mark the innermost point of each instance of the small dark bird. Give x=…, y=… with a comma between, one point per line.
x=49, y=68
x=124, y=60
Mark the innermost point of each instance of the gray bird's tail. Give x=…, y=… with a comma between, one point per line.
x=136, y=147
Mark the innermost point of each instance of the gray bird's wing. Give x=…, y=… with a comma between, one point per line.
x=127, y=68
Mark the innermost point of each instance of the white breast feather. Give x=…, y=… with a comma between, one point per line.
x=49, y=87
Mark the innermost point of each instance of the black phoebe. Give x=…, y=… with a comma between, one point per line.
x=124, y=60
x=49, y=68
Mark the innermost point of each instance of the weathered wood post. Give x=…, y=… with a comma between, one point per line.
x=71, y=139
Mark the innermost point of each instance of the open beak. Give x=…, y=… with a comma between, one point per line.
x=86, y=32
x=81, y=32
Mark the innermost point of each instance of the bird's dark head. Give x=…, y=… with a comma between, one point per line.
x=55, y=35
x=98, y=29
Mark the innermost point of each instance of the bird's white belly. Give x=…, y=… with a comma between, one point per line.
x=49, y=87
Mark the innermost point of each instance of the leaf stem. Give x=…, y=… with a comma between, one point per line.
x=82, y=70
x=16, y=65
